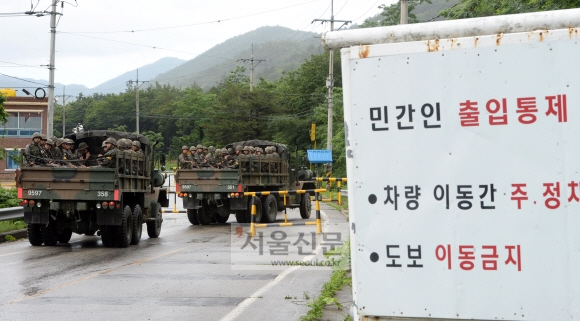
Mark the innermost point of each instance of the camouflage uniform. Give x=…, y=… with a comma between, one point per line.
x=33, y=151
x=184, y=160
x=108, y=160
x=137, y=147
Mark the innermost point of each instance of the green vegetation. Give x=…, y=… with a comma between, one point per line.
x=476, y=8
x=280, y=111
x=339, y=278
x=9, y=197
x=7, y=226
x=9, y=238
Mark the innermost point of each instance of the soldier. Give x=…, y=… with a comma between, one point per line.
x=32, y=152
x=205, y=151
x=137, y=147
x=183, y=159
x=69, y=147
x=48, y=149
x=274, y=153
x=84, y=153
x=108, y=160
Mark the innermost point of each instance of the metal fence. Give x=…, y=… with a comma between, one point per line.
x=11, y=213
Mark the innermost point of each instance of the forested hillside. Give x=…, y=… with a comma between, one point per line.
x=283, y=49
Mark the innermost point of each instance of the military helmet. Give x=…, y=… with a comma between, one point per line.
x=192, y=148
x=199, y=146
x=267, y=149
x=239, y=147
x=252, y=148
x=204, y=148
x=247, y=148
x=83, y=145
x=104, y=144
x=69, y=141
x=259, y=149
x=111, y=140
x=54, y=138
x=122, y=143
x=37, y=134
x=43, y=137
x=211, y=149
x=49, y=142
x=137, y=143
x=184, y=147
x=59, y=141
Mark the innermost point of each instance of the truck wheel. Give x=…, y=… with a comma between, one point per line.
x=305, y=206
x=154, y=227
x=241, y=216
x=34, y=234
x=125, y=230
x=220, y=219
x=258, y=204
x=269, y=209
x=108, y=235
x=65, y=236
x=137, y=225
x=204, y=215
x=192, y=216
x=49, y=234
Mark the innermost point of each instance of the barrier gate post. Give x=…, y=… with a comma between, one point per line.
x=253, y=219
x=318, y=225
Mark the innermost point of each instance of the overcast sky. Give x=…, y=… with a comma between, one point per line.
x=190, y=28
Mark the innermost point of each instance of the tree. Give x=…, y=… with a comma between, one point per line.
x=476, y=8
x=392, y=14
x=3, y=120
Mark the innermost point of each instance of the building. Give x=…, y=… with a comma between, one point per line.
x=27, y=115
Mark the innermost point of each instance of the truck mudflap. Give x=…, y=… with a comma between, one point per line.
x=239, y=203
x=36, y=217
x=109, y=217
x=191, y=203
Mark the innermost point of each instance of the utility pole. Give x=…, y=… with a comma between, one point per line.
x=137, y=97
x=330, y=79
x=251, y=60
x=404, y=12
x=51, y=67
x=64, y=98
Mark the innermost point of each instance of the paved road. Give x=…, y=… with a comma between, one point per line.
x=185, y=274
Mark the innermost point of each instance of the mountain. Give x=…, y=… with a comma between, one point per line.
x=147, y=72
x=424, y=12
x=283, y=49
x=115, y=85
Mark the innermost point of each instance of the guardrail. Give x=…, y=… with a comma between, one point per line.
x=11, y=213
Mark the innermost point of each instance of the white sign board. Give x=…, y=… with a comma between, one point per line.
x=464, y=175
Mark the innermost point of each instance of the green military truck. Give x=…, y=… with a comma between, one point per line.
x=113, y=202
x=212, y=195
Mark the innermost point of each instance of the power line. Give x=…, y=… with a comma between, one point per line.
x=200, y=23
x=32, y=82
x=21, y=65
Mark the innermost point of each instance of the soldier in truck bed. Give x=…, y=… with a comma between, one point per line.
x=108, y=159
x=32, y=152
x=183, y=159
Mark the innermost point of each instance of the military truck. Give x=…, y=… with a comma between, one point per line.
x=212, y=195
x=115, y=201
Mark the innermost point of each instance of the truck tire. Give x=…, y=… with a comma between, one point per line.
x=65, y=236
x=137, y=225
x=204, y=215
x=154, y=227
x=305, y=206
x=220, y=219
x=269, y=209
x=125, y=230
x=34, y=234
x=49, y=234
x=241, y=216
x=192, y=216
x=258, y=204
x=108, y=235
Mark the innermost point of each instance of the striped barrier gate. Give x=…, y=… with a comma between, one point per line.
x=338, y=180
x=254, y=225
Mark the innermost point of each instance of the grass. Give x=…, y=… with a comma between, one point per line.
x=7, y=226
x=338, y=279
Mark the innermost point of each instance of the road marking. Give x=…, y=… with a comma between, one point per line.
x=89, y=277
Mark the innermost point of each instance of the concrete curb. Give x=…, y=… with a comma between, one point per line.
x=17, y=234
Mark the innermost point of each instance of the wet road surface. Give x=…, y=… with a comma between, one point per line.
x=185, y=274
